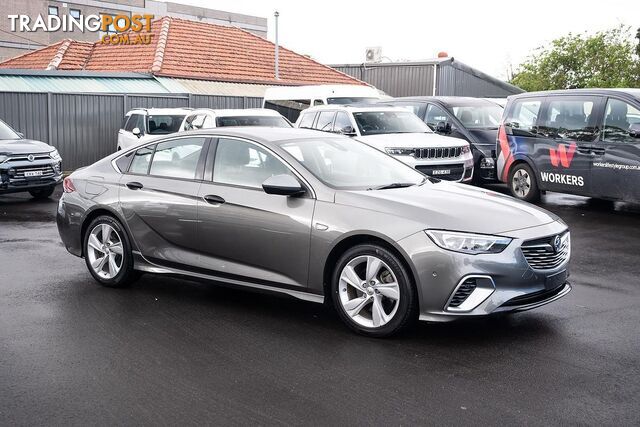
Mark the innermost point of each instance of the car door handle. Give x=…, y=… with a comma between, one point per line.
x=213, y=199
x=598, y=151
x=584, y=150
x=134, y=185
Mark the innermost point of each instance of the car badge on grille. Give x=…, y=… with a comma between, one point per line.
x=31, y=158
x=557, y=244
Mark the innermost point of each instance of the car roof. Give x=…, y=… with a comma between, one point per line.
x=237, y=112
x=592, y=91
x=264, y=134
x=152, y=111
x=444, y=99
x=354, y=108
x=319, y=91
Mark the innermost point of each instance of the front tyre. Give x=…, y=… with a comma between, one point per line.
x=107, y=253
x=372, y=291
x=42, y=193
x=523, y=184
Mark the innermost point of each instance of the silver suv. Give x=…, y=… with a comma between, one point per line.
x=398, y=132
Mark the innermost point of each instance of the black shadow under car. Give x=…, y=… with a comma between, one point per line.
x=313, y=216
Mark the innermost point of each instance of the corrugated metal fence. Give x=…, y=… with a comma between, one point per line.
x=84, y=127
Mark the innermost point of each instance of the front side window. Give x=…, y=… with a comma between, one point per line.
x=135, y=121
x=141, y=160
x=342, y=122
x=569, y=118
x=306, y=121
x=245, y=164
x=618, y=119
x=177, y=158
x=523, y=117
x=436, y=115
x=325, y=119
x=386, y=122
x=268, y=121
x=162, y=124
x=347, y=164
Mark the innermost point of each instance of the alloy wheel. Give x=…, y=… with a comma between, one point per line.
x=105, y=251
x=521, y=183
x=369, y=291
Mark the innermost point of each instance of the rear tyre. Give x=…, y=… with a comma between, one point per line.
x=372, y=291
x=523, y=184
x=107, y=253
x=42, y=193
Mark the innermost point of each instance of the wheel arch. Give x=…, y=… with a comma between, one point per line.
x=95, y=213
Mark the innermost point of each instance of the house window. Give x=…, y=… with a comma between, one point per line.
x=53, y=10
x=75, y=13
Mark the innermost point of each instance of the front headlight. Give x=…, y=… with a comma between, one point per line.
x=400, y=151
x=55, y=155
x=468, y=243
x=3, y=158
x=487, y=163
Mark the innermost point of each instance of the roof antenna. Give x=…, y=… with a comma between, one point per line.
x=276, y=14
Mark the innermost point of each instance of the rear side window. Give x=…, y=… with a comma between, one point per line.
x=307, y=120
x=618, y=119
x=141, y=160
x=124, y=161
x=177, y=158
x=325, y=119
x=569, y=118
x=523, y=117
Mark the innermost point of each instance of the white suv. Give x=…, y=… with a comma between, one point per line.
x=142, y=124
x=205, y=118
x=398, y=132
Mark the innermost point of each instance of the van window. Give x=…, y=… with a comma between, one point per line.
x=523, y=117
x=325, y=119
x=619, y=116
x=318, y=102
x=569, y=118
x=307, y=120
x=289, y=108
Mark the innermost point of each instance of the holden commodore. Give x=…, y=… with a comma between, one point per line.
x=317, y=217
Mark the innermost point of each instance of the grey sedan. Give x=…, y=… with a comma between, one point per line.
x=317, y=217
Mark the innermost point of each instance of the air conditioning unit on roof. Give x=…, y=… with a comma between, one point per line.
x=373, y=54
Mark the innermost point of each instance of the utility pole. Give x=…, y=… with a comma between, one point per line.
x=276, y=14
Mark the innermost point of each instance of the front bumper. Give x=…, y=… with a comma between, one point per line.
x=19, y=176
x=456, y=169
x=503, y=282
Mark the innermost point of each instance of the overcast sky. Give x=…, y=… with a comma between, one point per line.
x=487, y=35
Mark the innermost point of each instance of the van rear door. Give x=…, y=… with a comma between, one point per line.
x=616, y=155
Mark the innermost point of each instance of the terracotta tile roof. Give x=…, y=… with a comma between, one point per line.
x=189, y=49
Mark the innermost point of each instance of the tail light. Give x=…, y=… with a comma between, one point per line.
x=67, y=185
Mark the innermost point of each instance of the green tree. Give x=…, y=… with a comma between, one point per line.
x=604, y=59
x=638, y=47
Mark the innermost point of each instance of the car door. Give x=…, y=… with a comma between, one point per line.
x=616, y=155
x=158, y=198
x=245, y=233
x=567, y=128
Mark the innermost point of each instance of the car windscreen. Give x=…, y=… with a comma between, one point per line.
x=384, y=122
x=478, y=116
x=7, y=133
x=269, y=121
x=351, y=100
x=161, y=124
x=346, y=164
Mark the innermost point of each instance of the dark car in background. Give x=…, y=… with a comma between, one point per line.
x=27, y=165
x=473, y=119
x=580, y=141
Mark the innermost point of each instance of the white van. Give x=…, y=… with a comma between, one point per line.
x=291, y=100
x=205, y=118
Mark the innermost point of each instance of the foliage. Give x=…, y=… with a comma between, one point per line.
x=605, y=59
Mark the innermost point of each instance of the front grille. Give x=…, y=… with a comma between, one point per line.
x=19, y=172
x=533, y=297
x=541, y=254
x=463, y=292
x=455, y=171
x=25, y=157
x=437, y=153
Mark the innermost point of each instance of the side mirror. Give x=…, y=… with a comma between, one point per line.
x=634, y=130
x=347, y=131
x=21, y=135
x=283, y=185
x=443, y=127
x=136, y=132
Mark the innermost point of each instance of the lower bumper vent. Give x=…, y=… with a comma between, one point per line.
x=463, y=292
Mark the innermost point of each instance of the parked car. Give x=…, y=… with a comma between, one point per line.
x=582, y=141
x=314, y=216
x=207, y=118
x=142, y=124
x=475, y=120
x=398, y=132
x=27, y=165
x=291, y=100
